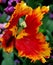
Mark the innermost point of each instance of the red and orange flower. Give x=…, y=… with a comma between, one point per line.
x=29, y=42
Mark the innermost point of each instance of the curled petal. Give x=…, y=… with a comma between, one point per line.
x=29, y=42
x=45, y=9
x=34, y=20
x=7, y=41
x=21, y=9
x=21, y=34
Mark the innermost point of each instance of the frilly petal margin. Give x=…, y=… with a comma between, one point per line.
x=28, y=42
x=8, y=41
x=34, y=49
x=21, y=9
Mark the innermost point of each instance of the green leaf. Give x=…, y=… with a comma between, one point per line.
x=50, y=38
x=3, y=18
x=8, y=61
x=47, y=23
x=47, y=38
x=21, y=20
x=33, y=3
x=51, y=8
x=38, y=62
x=1, y=8
x=50, y=25
x=8, y=55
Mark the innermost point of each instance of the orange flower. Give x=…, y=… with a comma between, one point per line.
x=21, y=9
x=7, y=41
x=33, y=48
x=29, y=42
x=33, y=45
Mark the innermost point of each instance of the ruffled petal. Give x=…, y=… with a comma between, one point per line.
x=21, y=9
x=34, y=20
x=8, y=41
x=34, y=49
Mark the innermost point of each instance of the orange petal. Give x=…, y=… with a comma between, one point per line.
x=8, y=41
x=21, y=9
x=34, y=49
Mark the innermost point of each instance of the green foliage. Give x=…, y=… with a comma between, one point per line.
x=47, y=29
x=3, y=18
x=33, y=3
x=1, y=8
x=47, y=23
x=8, y=59
x=51, y=7
x=8, y=55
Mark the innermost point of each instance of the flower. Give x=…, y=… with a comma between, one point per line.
x=29, y=42
x=0, y=14
x=10, y=8
x=3, y=1
x=2, y=25
x=1, y=33
x=11, y=1
x=51, y=15
x=20, y=9
x=16, y=62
